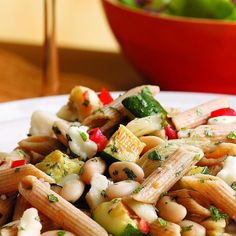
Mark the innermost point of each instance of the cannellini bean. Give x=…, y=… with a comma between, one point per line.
x=213, y=225
x=126, y=170
x=92, y=166
x=121, y=189
x=170, y=229
x=190, y=228
x=151, y=142
x=72, y=190
x=57, y=232
x=171, y=210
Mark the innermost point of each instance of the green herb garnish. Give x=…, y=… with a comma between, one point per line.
x=138, y=189
x=216, y=214
x=209, y=133
x=130, y=174
x=155, y=156
x=83, y=136
x=233, y=185
x=162, y=222
x=52, y=198
x=205, y=170
x=61, y=232
x=186, y=228
x=232, y=135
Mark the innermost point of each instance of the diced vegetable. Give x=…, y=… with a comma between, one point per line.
x=223, y=112
x=145, y=125
x=199, y=170
x=114, y=217
x=123, y=146
x=143, y=226
x=58, y=165
x=105, y=97
x=143, y=104
x=170, y=132
x=17, y=163
x=98, y=137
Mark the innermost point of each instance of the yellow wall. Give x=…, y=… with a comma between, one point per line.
x=81, y=23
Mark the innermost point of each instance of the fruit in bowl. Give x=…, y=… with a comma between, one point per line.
x=176, y=49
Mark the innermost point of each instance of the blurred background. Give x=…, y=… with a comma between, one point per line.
x=88, y=52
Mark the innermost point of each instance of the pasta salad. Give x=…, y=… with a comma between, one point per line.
x=123, y=167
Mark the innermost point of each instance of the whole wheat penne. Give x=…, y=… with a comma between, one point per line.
x=10, y=229
x=213, y=132
x=40, y=144
x=168, y=148
x=10, y=178
x=186, y=198
x=164, y=177
x=112, y=114
x=22, y=205
x=214, y=189
x=198, y=115
x=6, y=207
x=164, y=228
x=70, y=218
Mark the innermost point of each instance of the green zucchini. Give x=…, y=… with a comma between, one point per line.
x=123, y=146
x=143, y=104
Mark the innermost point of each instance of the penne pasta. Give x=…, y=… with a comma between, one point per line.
x=9, y=229
x=188, y=198
x=164, y=177
x=40, y=144
x=10, y=178
x=214, y=189
x=213, y=132
x=20, y=206
x=71, y=218
x=6, y=208
x=198, y=115
x=166, y=149
x=112, y=114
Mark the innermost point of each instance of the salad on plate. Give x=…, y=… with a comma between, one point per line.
x=124, y=167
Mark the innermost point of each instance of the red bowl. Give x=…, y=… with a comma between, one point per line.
x=177, y=53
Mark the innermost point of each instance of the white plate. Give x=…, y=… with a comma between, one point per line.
x=15, y=116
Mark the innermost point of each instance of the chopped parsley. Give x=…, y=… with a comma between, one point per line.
x=178, y=173
x=138, y=189
x=103, y=193
x=209, y=133
x=99, y=110
x=233, y=185
x=18, y=169
x=154, y=155
x=202, y=181
x=186, y=228
x=162, y=222
x=52, y=198
x=216, y=214
x=199, y=112
x=61, y=232
x=22, y=228
x=232, y=135
x=83, y=136
x=130, y=174
x=205, y=170
x=116, y=200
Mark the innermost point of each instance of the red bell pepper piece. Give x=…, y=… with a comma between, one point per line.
x=105, y=97
x=99, y=138
x=17, y=163
x=143, y=226
x=223, y=112
x=170, y=132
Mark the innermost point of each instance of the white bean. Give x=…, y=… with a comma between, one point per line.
x=171, y=210
x=126, y=170
x=121, y=189
x=92, y=166
x=190, y=228
x=151, y=142
x=72, y=190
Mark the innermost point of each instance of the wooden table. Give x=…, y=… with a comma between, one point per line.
x=20, y=73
